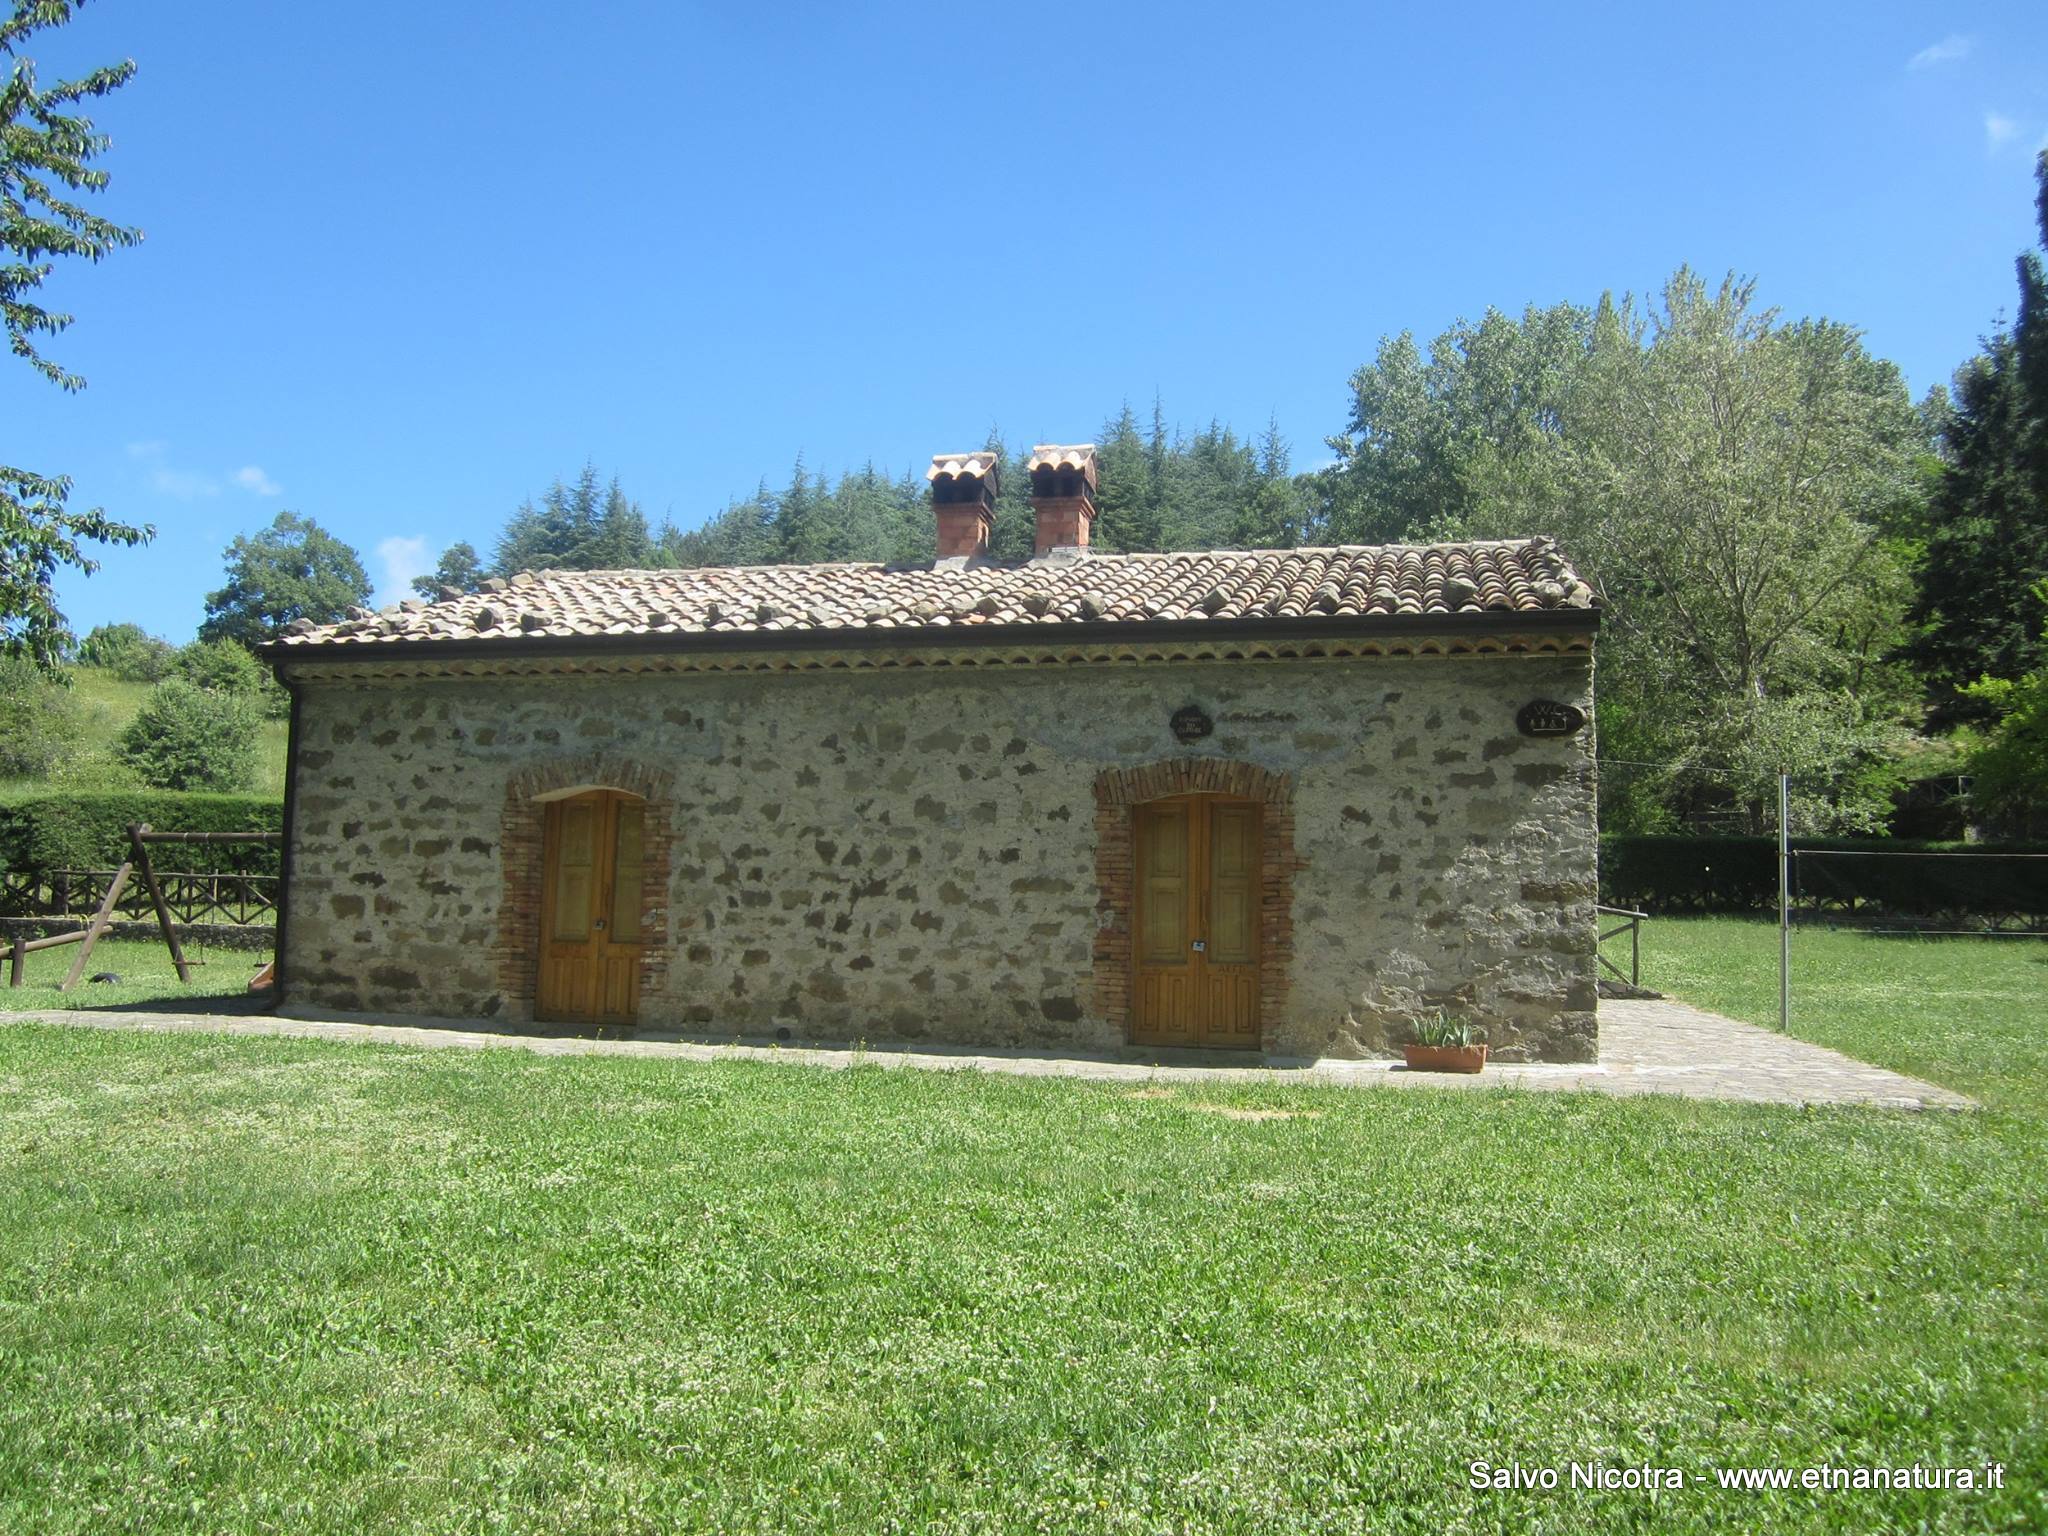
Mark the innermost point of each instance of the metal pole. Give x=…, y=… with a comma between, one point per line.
x=1784, y=907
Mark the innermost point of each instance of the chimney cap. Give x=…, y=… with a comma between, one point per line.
x=1075, y=456
x=954, y=465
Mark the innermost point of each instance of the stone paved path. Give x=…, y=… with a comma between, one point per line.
x=1645, y=1047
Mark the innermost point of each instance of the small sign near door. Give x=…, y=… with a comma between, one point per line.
x=1190, y=724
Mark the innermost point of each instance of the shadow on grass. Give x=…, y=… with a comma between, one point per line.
x=240, y=1005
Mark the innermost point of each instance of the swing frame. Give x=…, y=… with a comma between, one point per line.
x=140, y=836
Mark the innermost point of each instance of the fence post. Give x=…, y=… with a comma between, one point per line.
x=1784, y=906
x=17, y=958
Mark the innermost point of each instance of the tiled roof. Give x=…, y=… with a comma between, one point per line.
x=956, y=464
x=1436, y=583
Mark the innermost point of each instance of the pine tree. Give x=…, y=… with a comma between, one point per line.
x=1126, y=516
x=804, y=533
x=1979, y=601
x=619, y=540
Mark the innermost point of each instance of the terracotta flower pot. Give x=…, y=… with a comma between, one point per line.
x=1444, y=1058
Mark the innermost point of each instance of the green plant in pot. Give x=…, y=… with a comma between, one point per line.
x=1444, y=1042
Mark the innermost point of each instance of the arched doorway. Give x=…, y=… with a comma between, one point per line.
x=593, y=868
x=1121, y=796
x=1196, y=941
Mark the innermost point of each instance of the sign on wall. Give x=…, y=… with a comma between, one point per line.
x=1190, y=724
x=1547, y=717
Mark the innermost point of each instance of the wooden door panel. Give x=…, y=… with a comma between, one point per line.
x=619, y=986
x=1163, y=886
x=1166, y=1007
x=1233, y=884
x=575, y=871
x=1232, y=1009
x=1195, y=931
x=592, y=869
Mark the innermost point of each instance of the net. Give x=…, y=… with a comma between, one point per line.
x=1958, y=893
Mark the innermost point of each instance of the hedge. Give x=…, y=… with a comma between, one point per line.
x=39, y=833
x=1740, y=874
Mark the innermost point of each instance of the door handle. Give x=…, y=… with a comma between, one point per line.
x=1200, y=946
x=598, y=925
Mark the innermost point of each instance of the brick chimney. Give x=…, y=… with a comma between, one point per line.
x=964, y=489
x=1063, y=495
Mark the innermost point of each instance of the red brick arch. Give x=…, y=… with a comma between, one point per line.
x=1117, y=791
x=517, y=951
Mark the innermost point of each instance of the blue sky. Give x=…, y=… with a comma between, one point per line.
x=406, y=263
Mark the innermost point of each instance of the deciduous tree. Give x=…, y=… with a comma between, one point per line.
x=46, y=163
x=294, y=569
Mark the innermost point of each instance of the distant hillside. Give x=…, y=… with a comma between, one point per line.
x=106, y=705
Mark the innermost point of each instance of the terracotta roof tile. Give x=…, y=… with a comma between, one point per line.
x=1295, y=586
x=956, y=464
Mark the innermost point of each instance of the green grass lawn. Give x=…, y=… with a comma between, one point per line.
x=256, y=1285
x=220, y=977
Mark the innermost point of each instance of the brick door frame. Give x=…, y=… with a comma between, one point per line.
x=1118, y=793
x=521, y=829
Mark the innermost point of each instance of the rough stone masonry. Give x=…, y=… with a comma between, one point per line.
x=920, y=854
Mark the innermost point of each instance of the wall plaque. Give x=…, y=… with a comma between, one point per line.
x=1547, y=717
x=1190, y=724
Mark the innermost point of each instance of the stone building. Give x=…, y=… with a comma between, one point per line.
x=1285, y=801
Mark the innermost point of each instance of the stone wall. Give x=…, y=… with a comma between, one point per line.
x=917, y=854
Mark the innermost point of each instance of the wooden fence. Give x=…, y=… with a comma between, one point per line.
x=191, y=898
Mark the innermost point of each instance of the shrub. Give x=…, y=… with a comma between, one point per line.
x=43, y=832
x=129, y=652
x=38, y=720
x=192, y=738
x=228, y=667
x=220, y=665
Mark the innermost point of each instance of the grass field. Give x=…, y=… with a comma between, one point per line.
x=1970, y=1014
x=252, y=1285
x=147, y=976
x=106, y=705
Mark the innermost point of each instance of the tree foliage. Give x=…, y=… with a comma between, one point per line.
x=576, y=527
x=1979, y=601
x=294, y=569
x=459, y=568
x=220, y=665
x=46, y=164
x=129, y=652
x=187, y=737
x=1724, y=478
x=2008, y=759
x=39, y=720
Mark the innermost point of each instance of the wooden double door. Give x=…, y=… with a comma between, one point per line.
x=591, y=874
x=1197, y=924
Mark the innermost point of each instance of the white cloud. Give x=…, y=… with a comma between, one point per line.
x=166, y=479
x=182, y=484
x=1999, y=130
x=403, y=559
x=1949, y=50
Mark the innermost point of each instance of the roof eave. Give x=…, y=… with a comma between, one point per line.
x=1490, y=622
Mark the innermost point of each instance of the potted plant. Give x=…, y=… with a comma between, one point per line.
x=1444, y=1043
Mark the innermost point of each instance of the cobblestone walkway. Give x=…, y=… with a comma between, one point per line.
x=1645, y=1047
